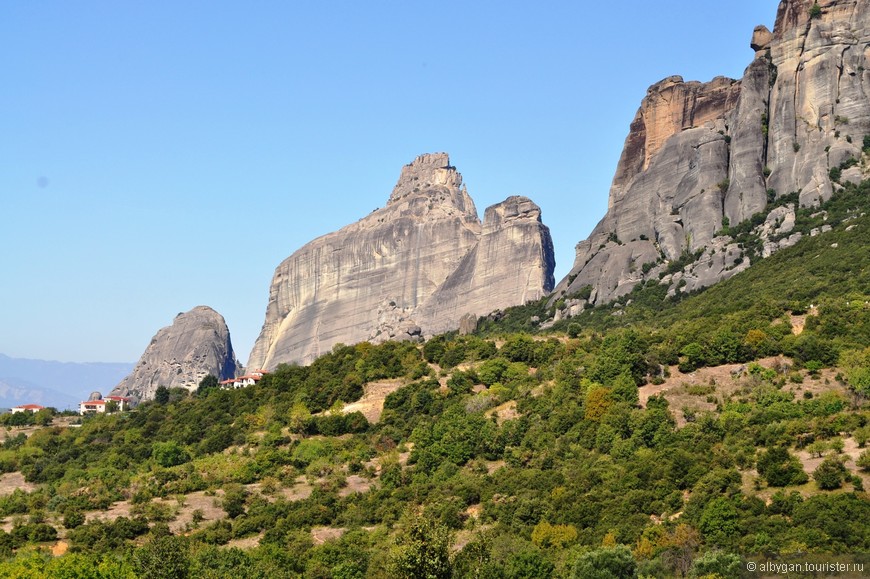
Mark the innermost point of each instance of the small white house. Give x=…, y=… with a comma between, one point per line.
x=92, y=407
x=98, y=404
x=244, y=381
x=32, y=408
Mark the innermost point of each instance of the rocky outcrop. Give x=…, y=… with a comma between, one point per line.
x=412, y=268
x=512, y=263
x=702, y=156
x=181, y=355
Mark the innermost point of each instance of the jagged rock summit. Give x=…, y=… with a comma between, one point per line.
x=179, y=356
x=412, y=268
x=702, y=157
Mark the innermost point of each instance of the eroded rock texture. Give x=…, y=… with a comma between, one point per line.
x=412, y=268
x=182, y=354
x=700, y=156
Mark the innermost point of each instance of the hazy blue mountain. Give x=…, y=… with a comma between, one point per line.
x=59, y=384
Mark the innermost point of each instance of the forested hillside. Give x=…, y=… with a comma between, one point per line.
x=659, y=436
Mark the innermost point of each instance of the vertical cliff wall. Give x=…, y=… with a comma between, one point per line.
x=702, y=156
x=386, y=276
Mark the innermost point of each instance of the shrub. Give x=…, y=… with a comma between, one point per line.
x=605, y=563
x=830, y=474
x=169, y=453
x=73, y=519
x=422, y=551
x=779, y=468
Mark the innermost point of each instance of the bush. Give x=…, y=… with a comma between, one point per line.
x=779, y=468
x=830, y=474
x=717, y=564
x=574, y=329
x=605, y=563
x=422, y=551
x=169, y=453
x=73, y=519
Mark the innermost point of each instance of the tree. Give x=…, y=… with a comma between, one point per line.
x=830, y=474
x=717, y=564
x=528, y=565
x=209, y=382
x=161, y=395
x=547, y=535
x=596, y=404
x=693, y=358
x=779, y=468
x=605, y=563
x=719, y=521
x=625, y=389
x=234, y=500
x=169, y=453
x=164, y=557
x=856, y=366
x=422, y=552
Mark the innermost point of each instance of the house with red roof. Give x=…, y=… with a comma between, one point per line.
x=96, y=404
x=243, y=381
x=32, y=408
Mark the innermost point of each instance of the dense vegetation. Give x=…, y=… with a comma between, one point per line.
x=508, y=453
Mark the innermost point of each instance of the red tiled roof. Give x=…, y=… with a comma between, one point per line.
x=98, y=402
x=117, y=398
x=31, y=407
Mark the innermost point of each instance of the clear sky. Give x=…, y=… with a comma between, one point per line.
x=155, y=156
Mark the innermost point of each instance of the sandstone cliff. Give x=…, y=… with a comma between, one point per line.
x=179, y=356
x=701, y=156
x=412, y=268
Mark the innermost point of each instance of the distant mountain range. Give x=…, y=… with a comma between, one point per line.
x=59, y=384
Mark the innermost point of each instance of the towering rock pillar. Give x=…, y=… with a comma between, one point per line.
x=387, y=276
x=181, y=355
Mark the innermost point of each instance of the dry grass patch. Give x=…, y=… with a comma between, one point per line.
x=371, y=405
x=320, y=535
x=245, y=543
x=206, y=505
x=504, y=412
x=355, y=484
x=12, y=481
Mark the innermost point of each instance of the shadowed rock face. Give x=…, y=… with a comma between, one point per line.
x=699, y=155
x=410, y=269
x=179, y=356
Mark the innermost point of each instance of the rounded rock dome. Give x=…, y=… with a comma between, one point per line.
x=95, y=396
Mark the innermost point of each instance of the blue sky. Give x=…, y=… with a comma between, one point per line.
x=161, y=155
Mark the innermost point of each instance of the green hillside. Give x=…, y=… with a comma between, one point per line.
x=659, y=437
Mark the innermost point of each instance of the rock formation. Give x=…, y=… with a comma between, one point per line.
x=701, y=156
x=412, y=268
x=179, y=356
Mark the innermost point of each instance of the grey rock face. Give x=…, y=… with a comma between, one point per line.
x=512, y=263
x=698, y=154
x=179, y=356
x=410, y=269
